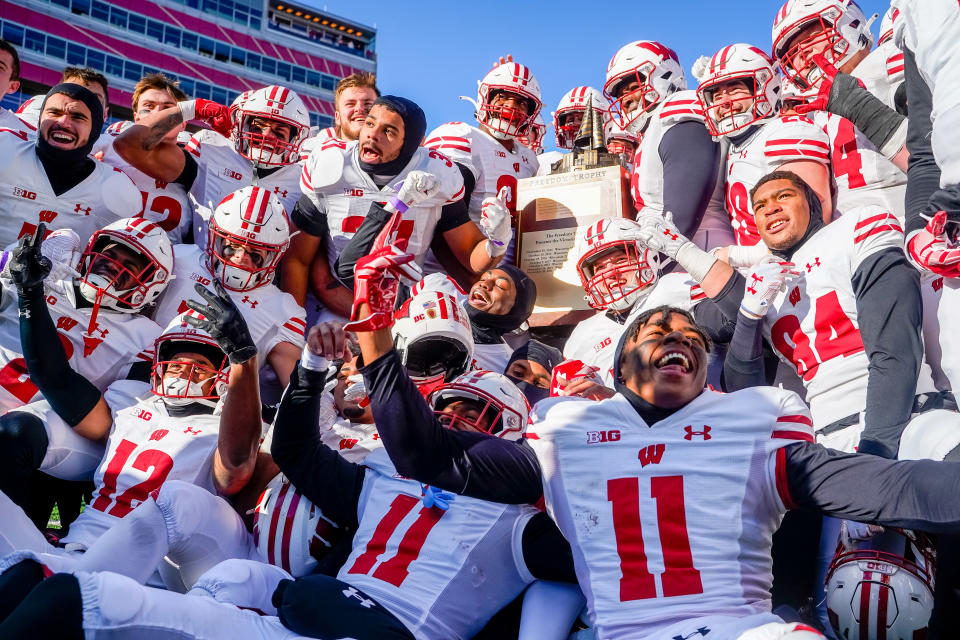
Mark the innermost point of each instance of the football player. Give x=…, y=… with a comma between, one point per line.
x=344, y=185
x=30, y=111
x=836, y=34
x=248, y=235
x=498, y=303
x=569, y=114
x=740, y=95
x=9, y=82
x=508, y=102
x=699, y=451
x=256, y=141
x=103, y=335
x=352, y=99
x=53, y=180
x=185, y=427
x=677, y=167
x=530, y=368
x=164, y=203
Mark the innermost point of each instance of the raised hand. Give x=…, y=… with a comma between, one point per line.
x=416, y=187
x=224, y=322
x=218, y=116
x=376, y=280
x=768, y=278
x=28, y=267
x=932, y=250
x=495, y=222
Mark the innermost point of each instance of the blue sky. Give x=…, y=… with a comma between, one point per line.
x=432, y=52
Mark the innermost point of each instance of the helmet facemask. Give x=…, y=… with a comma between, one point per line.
x=180, y=382
x=262, y=149
x=432, y=360
x=796, y=58
x=222, y=246
x=617, y=286
x=117, y=274
x=491, y=415
x=505, y=122
x=721, y=119
x=633, y=108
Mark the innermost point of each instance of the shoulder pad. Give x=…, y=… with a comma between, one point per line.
x=447, y=173
x=791, y=138
x=682, y=106
x=324, y=167
x=451, y=138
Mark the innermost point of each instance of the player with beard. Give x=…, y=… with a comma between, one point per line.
x=53, y=180
x=30, y=110
x=352, y=99
x=344, y=185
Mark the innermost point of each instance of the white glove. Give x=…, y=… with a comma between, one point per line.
x=328, y=411
x=417, y=187
x=356, y=391
x=63, y=248
x=495, y=223
x=659, y=233
x=852, y=533
x=767, y=279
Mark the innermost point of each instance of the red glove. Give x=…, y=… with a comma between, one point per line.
x=830, y=73
x=570, y=370
x=931, y=250
x=376, y=279
x=218, y=116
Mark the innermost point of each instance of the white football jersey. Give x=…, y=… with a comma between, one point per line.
x=774, y=143
x=221, y=171
x=311, y=143
x=146, y=447
x=546, y=160
x=166, y=204
x=491, y=357
x=443, y=573
x=272, y=316
x=333, y=180
x=9, y=120
x=101, y=354
x=670, y=521
x=353, y=440
x=882, y=72
x=594, y=341
x=29, y=111
x=646, y=182
x=863, y=175
x=26, y=198
x=814, y=326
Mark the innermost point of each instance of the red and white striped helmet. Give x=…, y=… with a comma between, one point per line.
x=574, y=101
x=108, y=283
x=510, y=77
x=432, y=334
x=254, y=218
x=619, y=140
x=271, y=103
x=616, y=287
x=886, y=25
x=844, y=32
x=877, y=594
x=658, y=73
x=289, y=531
x=533, y=136
x=750, y=65
x=186, y=387
x=500, y=403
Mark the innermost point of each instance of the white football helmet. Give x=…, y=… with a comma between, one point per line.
x=271, y=103
x=844, y=31
x=618, y=140
x=886, y=25
x=574, y=102
x=289, y=531
x=873, y=594
x=501, y=403
x=505, y=122
x=255, y=219
x=750, y=65
x=658, y=73
x=534, y=135
x=186, y=385
x=106, y=282
x=618, y=286
x=431, y=332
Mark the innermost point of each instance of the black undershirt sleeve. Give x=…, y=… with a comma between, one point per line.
x=70, y=394
x=913, y=494
x=189, y=174
x=923, y=174
x=690, y=160
x=309, y=218
x=546, y=552
x=890, y=316
x=317, y=471
x=729, y=299
x=468, y=463
x=452, y=216
x=744, y=364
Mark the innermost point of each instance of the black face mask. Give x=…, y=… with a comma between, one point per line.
x=531, y=392
x=414, y=128
x=488, y=328
x=66, y=168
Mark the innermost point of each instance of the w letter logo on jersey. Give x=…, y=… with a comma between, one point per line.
x=705, y=433
x=651, y=454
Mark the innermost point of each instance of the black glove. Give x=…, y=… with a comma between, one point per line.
x=224, y=322
x=28, y=267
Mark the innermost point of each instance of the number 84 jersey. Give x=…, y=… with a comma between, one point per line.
x=671, y=522
x=147, y=446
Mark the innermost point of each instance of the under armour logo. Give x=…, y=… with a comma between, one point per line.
x=281, y=193
x=253, y=303
x=366, y=603
x=752, y=287
x=672, y=236
x=103, y=332
x=702, y=632
x=816, y=263
x=705, y=434
x=192, y=431
x=78, y=208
